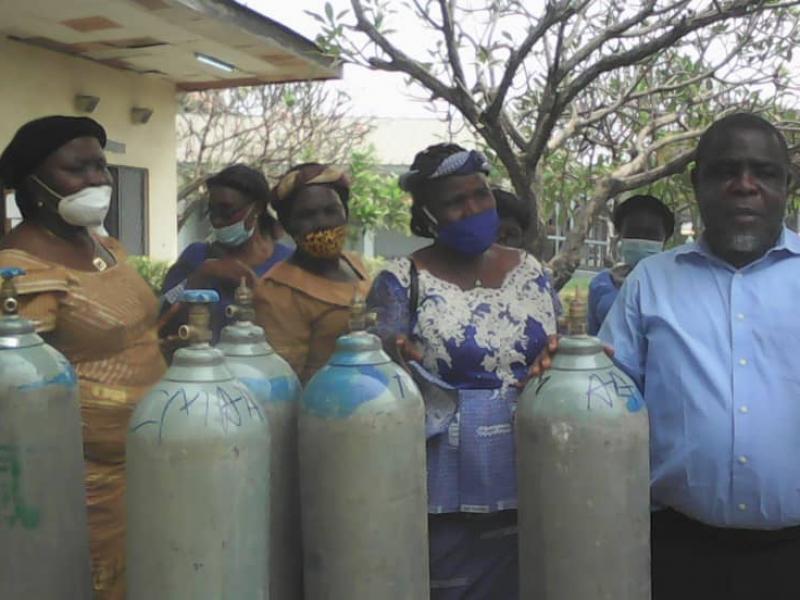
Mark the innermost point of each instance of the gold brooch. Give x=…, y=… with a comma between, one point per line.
x=99, y=263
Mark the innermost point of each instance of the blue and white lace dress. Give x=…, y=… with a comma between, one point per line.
x=477, y=344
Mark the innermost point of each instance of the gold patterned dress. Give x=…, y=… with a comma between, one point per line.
x=104, y=323
x=303, y=314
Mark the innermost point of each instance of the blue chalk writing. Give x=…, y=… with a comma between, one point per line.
x=613, y=385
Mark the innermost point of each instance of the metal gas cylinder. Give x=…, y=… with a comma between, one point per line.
x=44, y=537
x=197, y=497
x=583, y=475
x=277, y=390
x=362, y=476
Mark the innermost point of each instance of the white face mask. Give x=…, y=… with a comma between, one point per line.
x=85, y=208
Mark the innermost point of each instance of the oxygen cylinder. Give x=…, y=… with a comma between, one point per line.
x=197, y=498
x=362, y=476
x=44, y=537
x=583, y=476
x=275, y=387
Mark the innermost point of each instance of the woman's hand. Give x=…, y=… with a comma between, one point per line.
x=544, y=361
x=229, y=270
x=402, y=350
x=407, y=349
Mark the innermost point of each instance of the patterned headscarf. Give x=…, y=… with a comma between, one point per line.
x=464, y=162
x=306, y=175
x=433, y=164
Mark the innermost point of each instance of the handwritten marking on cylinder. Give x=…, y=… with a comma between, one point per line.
x=400, y=385
x=542, y=381
x=13, y=508
x=228, y=402
x=229, y=413
x=605, y=389
x=187, y=403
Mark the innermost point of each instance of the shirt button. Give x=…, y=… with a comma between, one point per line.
x=743, y=362
x=742, y=460
x=742, y=506
x=743, y=409
x=740, y=316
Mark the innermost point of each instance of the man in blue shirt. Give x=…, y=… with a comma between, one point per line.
x=709, y=331
x=643, y=223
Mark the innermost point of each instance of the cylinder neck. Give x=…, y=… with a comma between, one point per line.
x=8, y=296
x=198, y=328
x=361, y=319
x=577, y=313
x=242, y=310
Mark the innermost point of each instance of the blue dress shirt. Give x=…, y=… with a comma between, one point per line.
x=602, y=293
x=716, y=354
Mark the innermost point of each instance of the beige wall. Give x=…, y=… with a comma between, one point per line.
x=38, y=82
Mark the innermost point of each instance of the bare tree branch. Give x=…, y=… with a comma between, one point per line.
x=594, y=97
x=555, y=13
x=268, y=128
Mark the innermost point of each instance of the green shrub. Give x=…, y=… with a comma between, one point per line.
x=374, y=265
x=152, y=271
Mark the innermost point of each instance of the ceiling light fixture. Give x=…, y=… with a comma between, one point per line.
x=214, y=62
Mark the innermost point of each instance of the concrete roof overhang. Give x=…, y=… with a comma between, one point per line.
x=164, y=38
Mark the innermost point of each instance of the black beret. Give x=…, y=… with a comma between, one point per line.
x=38, y=139
x=647, y=204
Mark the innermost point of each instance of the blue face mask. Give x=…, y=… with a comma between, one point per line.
x=633, y=250
x=235, y=234
x=471, y=235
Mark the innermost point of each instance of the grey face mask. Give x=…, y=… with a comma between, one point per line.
x=633, y=250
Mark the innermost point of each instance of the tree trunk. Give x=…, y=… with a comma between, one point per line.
x=568, y=259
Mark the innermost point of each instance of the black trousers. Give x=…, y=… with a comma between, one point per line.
x=691, y=561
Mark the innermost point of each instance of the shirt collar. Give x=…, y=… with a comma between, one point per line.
x=788, y=241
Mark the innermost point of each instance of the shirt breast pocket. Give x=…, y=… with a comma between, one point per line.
x=776, y=350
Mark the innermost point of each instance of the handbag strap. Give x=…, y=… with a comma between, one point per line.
x=413, y=288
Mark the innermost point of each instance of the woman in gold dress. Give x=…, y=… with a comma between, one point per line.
x=89, y=303
x=304, y=303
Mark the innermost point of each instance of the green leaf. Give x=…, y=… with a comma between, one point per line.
x=314, y=16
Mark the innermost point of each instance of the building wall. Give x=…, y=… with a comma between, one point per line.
x=396, y=141
x=39, y=82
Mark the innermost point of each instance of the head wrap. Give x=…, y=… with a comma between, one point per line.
x=644, y=203
x=38, y=139
x=464, y=162
x=307, y=175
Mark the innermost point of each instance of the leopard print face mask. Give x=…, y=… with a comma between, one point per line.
x=324, y=243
